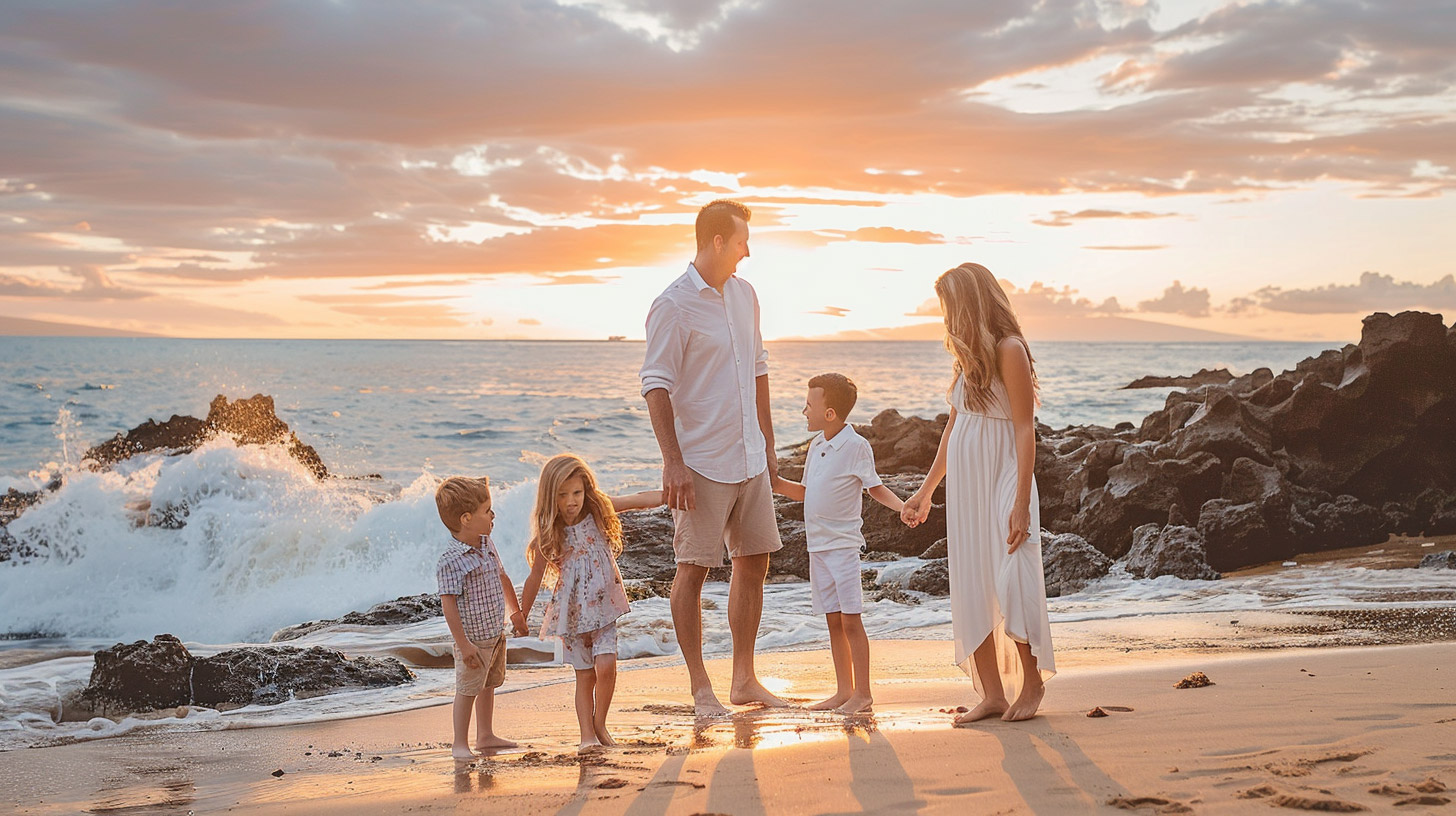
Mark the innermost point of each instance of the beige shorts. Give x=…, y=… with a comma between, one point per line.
x=492, y=672
x=737, y=517
x=581, y=650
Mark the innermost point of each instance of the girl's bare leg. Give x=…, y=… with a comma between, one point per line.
x=586, y=681
x=606, y=669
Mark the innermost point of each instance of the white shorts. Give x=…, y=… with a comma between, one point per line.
x=834, y=576
x=581, y=650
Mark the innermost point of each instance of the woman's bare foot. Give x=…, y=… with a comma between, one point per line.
x=986, y=708
x=857, y=704
x=463, y=752
x=590, y=747
x=832, y=703
x=754, y=692
x=493, y=743
x=705, y=704
x=1027, y=702
x=603, y=737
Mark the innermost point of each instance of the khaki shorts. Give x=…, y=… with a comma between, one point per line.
x=492, y=672
x=737, y=516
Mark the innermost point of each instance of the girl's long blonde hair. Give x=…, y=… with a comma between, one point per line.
x=548, y=528
x=978, y=316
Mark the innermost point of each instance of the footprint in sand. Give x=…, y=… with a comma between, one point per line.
x=1156, y=803
x=1288, y=800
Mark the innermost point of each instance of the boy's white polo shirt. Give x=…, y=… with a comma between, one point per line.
x=836, y=472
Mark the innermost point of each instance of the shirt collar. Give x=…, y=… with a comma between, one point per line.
x=840, y=438
x=456, y=545
x=696, y=278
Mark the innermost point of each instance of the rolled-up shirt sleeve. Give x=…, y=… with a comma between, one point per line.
x=665, y=346
x=760, y=366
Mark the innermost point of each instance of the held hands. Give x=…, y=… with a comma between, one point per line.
x=518, y=623
x=1018, y=527
x=916, y=510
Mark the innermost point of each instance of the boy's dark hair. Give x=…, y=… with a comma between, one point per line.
x=716, y=218
x=839, y=393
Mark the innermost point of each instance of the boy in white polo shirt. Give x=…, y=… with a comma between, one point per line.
x=839, y=467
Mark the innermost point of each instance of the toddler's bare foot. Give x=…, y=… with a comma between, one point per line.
x=832, y=703
x=493, y=743
x=986, y=708
x=463, y=752
x=1027, y=702
x=705, y=704
x=857, y=704
x=603, y=737
x=754, y=692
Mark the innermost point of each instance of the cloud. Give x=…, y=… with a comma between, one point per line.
x=1065, y=218
x=94, y=284
x=1192, y=302
x=1374, y=292
x=831, y=311
x=529, y=321
x=577, y=280
x=1039, y=300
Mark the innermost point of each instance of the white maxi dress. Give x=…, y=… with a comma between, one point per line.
x=991, y=592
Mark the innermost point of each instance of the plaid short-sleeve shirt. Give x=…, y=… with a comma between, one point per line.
x=473, y=574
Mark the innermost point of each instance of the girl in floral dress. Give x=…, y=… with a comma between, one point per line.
x=575, y=541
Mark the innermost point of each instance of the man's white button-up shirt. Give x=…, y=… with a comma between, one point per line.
x=706, y=350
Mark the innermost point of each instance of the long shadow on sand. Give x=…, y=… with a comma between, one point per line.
x=1082, y=785
x=879, y=781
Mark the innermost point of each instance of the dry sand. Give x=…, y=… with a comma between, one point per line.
x=1327, y=729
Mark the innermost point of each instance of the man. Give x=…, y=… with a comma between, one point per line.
x=705, y=378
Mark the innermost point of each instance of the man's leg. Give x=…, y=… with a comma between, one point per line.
x=745, y=611
x=687, y=624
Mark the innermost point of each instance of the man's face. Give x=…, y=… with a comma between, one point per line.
x=815, y=411
x=735, y=246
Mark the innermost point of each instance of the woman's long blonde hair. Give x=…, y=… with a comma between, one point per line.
x=978, y=317
x=548, y=529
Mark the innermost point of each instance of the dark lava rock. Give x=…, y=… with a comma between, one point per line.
x=250, y=421
x=936, y=550
x=1225, y=426
x=1346, y=522
x=932, y=579
x=409, y=609
x=1236, y=535
x=647, y=545
x=1139, y=491
x=269, y=675
x=1204, y=376
x=1171, y=550
x=1069, y=563
x=793, y=559
x=1441, y=560
x=141, y=676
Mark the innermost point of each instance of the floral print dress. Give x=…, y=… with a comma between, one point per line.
x=589, y=593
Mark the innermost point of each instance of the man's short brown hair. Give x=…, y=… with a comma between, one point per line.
x=840, y=393
x=716, y=218
x=459, y=495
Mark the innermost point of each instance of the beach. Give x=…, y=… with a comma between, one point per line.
x=1328, y=729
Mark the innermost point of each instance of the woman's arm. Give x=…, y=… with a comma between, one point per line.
x=637, y=501
x=1021, y=396
x=917, y=507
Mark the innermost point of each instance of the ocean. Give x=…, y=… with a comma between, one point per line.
x=267, y=545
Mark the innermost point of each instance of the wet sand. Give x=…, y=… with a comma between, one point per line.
x=1312, y=729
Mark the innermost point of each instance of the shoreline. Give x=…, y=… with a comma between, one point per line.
x=1329, y=724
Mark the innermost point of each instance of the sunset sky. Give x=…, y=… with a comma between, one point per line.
x=532, y=169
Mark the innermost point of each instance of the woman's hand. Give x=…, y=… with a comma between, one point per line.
x=917, y=509
x=1018, y=527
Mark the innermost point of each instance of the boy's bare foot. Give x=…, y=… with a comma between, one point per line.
x=857, y=704
x=705, y=704
x=1027, y=702
x=463, y=752
x=986, y=708
x=603, y=737
x=832, y=703
x=494, y=743
x=754, y=692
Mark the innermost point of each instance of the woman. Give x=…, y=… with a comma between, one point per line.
x=998, y=596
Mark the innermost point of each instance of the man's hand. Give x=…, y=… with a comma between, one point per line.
x=677, y=486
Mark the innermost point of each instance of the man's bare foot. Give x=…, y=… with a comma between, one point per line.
x=603, y=737
x=705, y=704
x=463, y=752
x=754, y=692
x=1027, y=702
x=986, y=708
x=832, y=703
x=857, y=704
x=494, y=743
x=590, y=747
